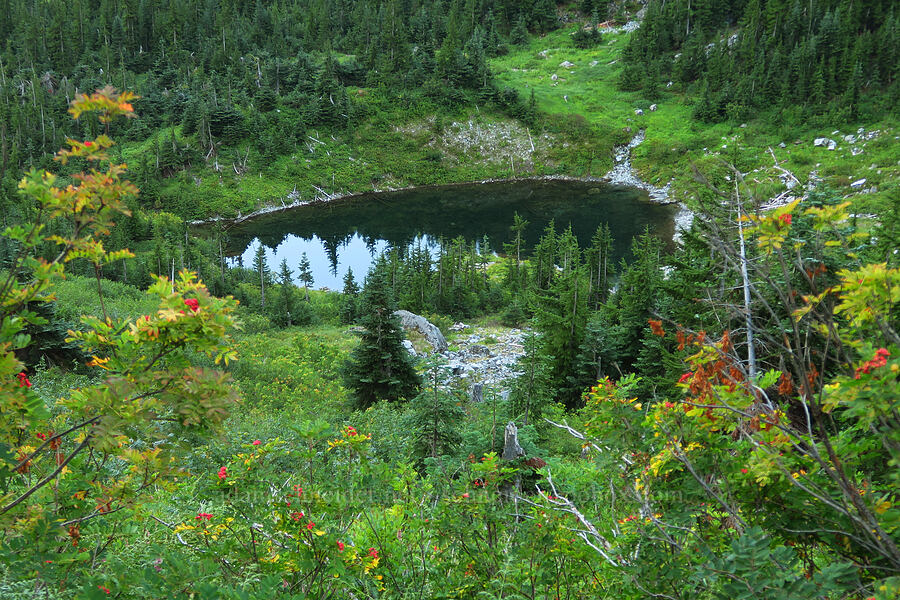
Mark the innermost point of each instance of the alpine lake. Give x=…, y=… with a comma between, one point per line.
x=351, y=232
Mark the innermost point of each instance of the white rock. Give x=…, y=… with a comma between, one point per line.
x=566, y=64
x=638, y=112
x=554, y=77
x=668, y=85
x=409, y=347
x=652, y=108
x=856, y=150
x=850, y=138
x=594, y=63
x=782, y=145
x=820, y=142
x=858, y=183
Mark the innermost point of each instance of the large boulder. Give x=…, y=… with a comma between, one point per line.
x=430, y=331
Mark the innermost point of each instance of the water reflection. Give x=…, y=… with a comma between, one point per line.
x=348, y=234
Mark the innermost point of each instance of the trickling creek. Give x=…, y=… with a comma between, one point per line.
x=350, y=232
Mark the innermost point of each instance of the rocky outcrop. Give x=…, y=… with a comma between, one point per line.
x=622, y=172
x=485, y=357
x=428, y=330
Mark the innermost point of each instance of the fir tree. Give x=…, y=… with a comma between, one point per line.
x=380, y=368
x=519, y=34
x=304, y=274
x=286, y=310
x=532, y=387
x=349, y=299
x=263, y=273
x=436, y=415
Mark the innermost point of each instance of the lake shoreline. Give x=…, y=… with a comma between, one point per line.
x=327, y=198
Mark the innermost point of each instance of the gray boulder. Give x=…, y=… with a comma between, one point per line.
x=430, y=331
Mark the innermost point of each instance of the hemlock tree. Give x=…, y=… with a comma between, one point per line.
x=380, y=368
x=305, y=275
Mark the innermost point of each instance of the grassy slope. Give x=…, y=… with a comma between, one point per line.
x=392, y=148
x=673, y=139
x=397, y=146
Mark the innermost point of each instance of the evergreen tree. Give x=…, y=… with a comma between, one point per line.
x=436, y=414
x=519, y=34
x=560, y=316
x=380, y=368
x=599, y=264
x=349, y=299
x=286, y=309
x=532, y=388
x=305, y=275
x=263, y=272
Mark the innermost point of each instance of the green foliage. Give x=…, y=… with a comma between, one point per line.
x=380, y=368
x=144, y=393
x=753, y=569
x=435, y=415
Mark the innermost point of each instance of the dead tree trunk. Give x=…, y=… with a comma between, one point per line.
x=511, y=451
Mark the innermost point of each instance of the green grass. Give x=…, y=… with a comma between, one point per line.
x=584, y=116
x=674, y=140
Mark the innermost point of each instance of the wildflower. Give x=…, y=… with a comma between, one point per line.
x=685, y=377
x=466, y=495
x=340, y=546
x=223, y=473
x=102, y=588
x=23, y=380
x=786, y=219
x=373, y=552
x=669, y=405
x=744, y=471
x=203, y=516
x=351, y=430
x=41, y=436
x=192, y=304
x=656, y=327
x=879, y=360
x=296, y=516
x=256, y=442
x=310, y=525
x=299, y=490
x=89, y=144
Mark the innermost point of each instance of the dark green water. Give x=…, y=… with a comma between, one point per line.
x=351, y=232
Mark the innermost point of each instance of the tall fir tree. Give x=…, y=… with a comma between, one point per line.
x=305, y=275
x=263, y=272
x=286, y=309
x=380, y=368
x=349, y=299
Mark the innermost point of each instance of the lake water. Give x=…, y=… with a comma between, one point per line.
x=351, y=232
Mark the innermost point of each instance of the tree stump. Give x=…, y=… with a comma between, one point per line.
x=511, y=451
